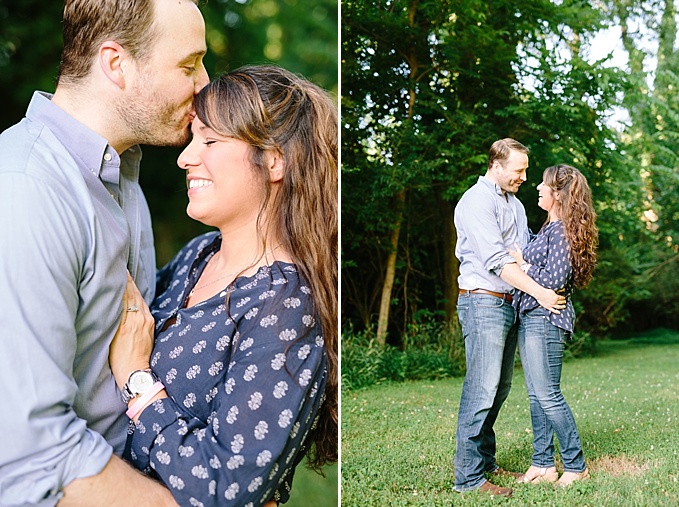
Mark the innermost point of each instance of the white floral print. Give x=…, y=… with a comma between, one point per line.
x=241, y=382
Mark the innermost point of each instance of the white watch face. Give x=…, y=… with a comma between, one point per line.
x=140, y=382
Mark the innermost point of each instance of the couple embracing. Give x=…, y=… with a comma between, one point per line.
x=215, y=376
x=516, y=288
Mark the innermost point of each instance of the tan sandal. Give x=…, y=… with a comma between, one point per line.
x=535, y=475
x=569, y=478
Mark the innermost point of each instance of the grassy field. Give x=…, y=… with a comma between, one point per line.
x=398, y=440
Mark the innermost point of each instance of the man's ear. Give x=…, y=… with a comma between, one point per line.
x=276, y=165
x=113, y=61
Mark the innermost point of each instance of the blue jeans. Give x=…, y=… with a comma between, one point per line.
x=541, y=346
x=489, y=330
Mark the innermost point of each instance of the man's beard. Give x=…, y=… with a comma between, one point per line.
x=153, y=121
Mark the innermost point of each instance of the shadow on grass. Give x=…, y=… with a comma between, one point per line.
x=658, y=336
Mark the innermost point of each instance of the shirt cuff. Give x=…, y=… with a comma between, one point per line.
x=153, y=420
x=91, y=457
x=497, y=267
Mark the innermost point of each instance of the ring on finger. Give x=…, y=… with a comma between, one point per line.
x=133, y=308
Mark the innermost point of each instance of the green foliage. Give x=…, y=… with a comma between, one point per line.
x=30, y=47
x=427, y=87
x=300, y=35
x=398, y=440
x=429, y=351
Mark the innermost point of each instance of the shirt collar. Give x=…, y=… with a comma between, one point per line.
x=85, y=145
x=493, y=186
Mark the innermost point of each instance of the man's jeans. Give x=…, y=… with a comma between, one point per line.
x=541, y=347
x=489, y=330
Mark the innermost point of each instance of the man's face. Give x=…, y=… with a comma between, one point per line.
x=159, y=108
x=512, y=173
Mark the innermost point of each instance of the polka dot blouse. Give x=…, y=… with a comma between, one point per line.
x=549, y=256
x=245, y=384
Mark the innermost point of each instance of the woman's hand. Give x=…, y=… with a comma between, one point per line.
x=517, y=254
x=133, y=342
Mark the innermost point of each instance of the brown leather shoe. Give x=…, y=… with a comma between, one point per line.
x=489, y=487
x=502, y=472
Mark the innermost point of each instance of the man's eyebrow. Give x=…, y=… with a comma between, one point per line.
x=196, y=54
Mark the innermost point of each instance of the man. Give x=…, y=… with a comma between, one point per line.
x=73, y=221
x=489, y=220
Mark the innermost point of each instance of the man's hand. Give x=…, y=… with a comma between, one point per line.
x=547, y=298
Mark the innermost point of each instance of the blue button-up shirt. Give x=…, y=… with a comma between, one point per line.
x=73, y=220
x=488, y=222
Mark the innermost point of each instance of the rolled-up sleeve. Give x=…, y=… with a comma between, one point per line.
x=45, y=444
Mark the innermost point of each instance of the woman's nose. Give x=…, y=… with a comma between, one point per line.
x=184, y=159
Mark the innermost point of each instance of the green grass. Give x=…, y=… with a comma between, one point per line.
x=398, y=440
x=310, y=489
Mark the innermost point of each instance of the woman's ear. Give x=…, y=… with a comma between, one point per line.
x=113, y=62
x=276, y=165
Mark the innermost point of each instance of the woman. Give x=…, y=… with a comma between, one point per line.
x=243, y=373
x=562, y=256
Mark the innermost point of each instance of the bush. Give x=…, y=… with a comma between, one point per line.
x=429, y=351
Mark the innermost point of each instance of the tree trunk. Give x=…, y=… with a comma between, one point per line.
x=636, y=56
x=667, y=36
x=390, y=274
x=451, y=265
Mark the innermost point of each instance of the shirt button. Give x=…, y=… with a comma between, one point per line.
x=107, y=157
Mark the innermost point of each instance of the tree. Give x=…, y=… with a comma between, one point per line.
x=427, y=87
x=653, y=134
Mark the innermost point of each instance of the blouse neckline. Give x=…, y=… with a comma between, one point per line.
x=201, y=262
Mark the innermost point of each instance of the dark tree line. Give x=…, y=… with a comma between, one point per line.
x=428, y=85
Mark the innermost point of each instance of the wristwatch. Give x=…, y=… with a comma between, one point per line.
x=138, y=383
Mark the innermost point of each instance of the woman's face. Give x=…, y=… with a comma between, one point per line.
x=223, y=189
x=547, y=199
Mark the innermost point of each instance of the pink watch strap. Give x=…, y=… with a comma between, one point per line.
x=138, y=405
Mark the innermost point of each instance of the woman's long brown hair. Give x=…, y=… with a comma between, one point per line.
x=270, y=108
x=578, y=217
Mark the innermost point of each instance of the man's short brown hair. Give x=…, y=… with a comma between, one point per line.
x=502, y=149
x=89, y=23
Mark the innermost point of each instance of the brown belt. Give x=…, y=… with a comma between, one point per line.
x=502, y=295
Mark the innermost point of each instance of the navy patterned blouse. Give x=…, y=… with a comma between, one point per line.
x=549, y=256
x=244, y=384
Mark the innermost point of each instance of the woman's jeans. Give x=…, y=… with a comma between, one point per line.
x=489, y=330
x=541, y=346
